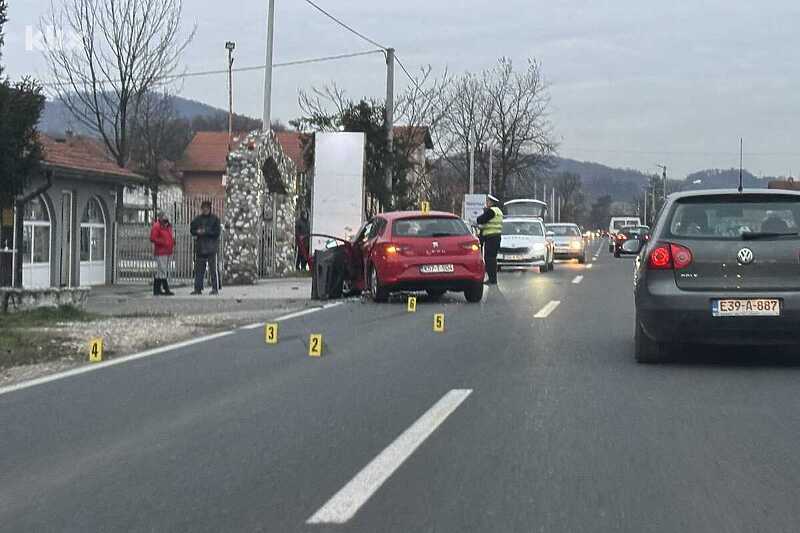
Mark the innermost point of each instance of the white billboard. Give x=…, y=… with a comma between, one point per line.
x=337, y=205
x=474, y=205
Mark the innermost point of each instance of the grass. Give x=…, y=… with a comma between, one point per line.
x=22, y=341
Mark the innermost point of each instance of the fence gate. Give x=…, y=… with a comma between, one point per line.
x=133, y=251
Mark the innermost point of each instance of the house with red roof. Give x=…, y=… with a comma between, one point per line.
x=67, y=234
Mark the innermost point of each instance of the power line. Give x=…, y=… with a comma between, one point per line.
x=246, y=69
x=345, y=26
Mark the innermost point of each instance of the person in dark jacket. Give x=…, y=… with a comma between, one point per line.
x=163, y=239
x=302, y=232
x=491, y=224
x=206, y=229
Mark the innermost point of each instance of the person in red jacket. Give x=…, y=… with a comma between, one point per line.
x=163, y=239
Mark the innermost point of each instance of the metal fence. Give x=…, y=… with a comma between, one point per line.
x=133, y=251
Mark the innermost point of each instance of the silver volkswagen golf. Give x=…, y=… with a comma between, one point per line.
x=721, y=267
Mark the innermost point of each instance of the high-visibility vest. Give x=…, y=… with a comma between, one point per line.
x=495, y=225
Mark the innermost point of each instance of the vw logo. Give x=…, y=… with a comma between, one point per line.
x=745, y=256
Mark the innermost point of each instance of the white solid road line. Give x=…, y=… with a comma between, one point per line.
x=547, y=309
x=577, y=280
x=346, y=503
x=149, y=353
x=112, y=362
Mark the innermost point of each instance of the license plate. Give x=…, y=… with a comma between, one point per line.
x=750, y=307
x=436, y=269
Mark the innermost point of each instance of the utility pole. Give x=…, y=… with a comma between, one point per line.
x=267, y=118
x=471, y=163
x=553, y=203
x=645, y=208
x=230, y=46
x=664, y=169
x=491, y=167
x=389, y=120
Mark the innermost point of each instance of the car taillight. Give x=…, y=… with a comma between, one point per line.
x=668, y=256
x=681, y=256
x=391, y=249
x=471, y=247
x=621, y=237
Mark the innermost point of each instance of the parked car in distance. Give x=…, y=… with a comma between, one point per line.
x=410, y=250
x=616, y=224
x=524, y=245
x=569, y=243
x=721, y=267
x=641, y=233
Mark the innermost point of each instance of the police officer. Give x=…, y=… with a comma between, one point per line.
x=491, y=224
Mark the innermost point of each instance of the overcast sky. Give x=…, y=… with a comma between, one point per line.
x=633, y=82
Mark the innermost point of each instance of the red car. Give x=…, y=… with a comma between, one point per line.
x=411, y=250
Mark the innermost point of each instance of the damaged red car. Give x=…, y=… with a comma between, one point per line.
x=414, y=251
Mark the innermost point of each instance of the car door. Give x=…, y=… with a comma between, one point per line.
x=363, y=245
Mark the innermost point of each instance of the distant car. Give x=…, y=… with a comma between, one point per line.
x=616, y=224
x=524, y=245
x=722, y=267
x=641, y=233
x=569, y=243
x=411, y=250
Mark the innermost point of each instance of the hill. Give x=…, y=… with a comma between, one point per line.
x=56, y=119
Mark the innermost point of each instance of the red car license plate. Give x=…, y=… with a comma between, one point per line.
x=437, y=269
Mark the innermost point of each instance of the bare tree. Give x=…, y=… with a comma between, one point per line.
x=158, y=136
x=128, y=48
x=519, y=127
x=466, y=123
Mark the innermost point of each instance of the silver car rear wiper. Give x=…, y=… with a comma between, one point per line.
x=756, y=235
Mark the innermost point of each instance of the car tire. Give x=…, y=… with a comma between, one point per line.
x=474, y=294
x=648, y=351
x=435, y=294
x=616, y=254
x=582, y=259
x=378, y=292
x=544, y=268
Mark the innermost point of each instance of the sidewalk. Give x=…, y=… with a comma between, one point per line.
x=126, y=300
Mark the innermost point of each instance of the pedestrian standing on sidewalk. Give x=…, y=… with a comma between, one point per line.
x=302, y=233
x=206, y=229
x=163, y=239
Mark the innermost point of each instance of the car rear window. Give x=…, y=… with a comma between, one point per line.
x=619, y=224
x=429, y=227
x=731, y=217
x=522, y=228
x=525, y=209
x=564, y=231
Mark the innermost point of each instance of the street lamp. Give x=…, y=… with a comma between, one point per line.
x=230, y=46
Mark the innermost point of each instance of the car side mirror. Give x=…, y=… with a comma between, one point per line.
x=632, y=246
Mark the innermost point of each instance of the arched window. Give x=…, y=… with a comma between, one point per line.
x=93, y=233
x=36, y=233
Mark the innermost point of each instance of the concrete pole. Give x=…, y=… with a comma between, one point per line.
x=471, y=150
x=491, y=165
x=389, y=118
x=553, y=203
x=267, y=118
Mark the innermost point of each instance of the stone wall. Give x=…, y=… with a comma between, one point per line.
x=16, y=300
x=259, y=177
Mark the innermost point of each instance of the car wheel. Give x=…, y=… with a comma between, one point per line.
x=349, y=290
x=616, y=254
x=582, y=259
x=378, y=292
x=648, y=351
x=435, y=294
x=475, y=293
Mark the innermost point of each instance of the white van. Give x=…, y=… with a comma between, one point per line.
x=616, y=224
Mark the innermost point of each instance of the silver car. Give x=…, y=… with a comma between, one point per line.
x=525, y=245
x=721, y=267
x=569, y=242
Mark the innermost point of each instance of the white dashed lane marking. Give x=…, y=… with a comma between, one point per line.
x=346, y=503
x=577, y=280
x=547, y=309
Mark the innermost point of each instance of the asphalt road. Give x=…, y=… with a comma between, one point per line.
x=504, y=422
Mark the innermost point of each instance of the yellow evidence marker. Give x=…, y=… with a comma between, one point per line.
x=315, y=346
x=412, y=304
x=426, y=207
x=438, y=322
x=95, y=350
x=271, y=333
